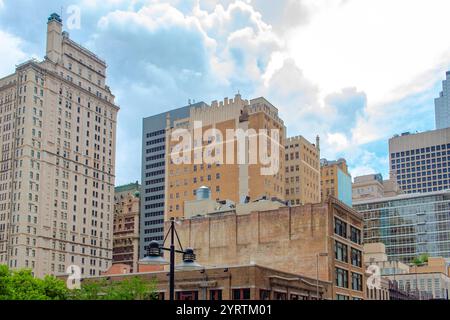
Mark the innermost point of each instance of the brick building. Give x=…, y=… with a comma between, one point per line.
x=126, y=225
x=234, y=169
x=323, y=239
x=302, y=171
x=245, y=282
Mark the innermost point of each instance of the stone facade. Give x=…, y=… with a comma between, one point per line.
x=126, y=225
x=58, y=139
x=372, y=186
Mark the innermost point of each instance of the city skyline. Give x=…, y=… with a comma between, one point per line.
x=257, y=53
x=224, y=150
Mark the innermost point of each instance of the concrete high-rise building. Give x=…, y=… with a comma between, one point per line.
x=420, y=162
x=335, y=180
x=58, y=138
x=409, y=225
x=126, y=225
x=153, y=172
x=442, y=105
x=226, y=176
x=302, y=171
x=373, y=186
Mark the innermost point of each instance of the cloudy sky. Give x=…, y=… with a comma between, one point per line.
x=356, y=72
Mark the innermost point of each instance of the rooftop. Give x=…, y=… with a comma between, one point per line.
x=127, y=187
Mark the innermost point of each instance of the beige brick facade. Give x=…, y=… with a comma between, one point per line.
x=226, y=181
x=329, y=177
x=302, y=171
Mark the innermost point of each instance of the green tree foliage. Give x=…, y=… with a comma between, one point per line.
x=22, y=285
x=129, y=289
x=421, y=260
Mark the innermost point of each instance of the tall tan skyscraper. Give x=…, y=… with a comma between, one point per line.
x=228, y=178
x=58, y=137
x=302, y=171
x=335, y=180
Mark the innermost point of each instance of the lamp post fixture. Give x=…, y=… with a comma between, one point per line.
x=154, y=257
x=323, y=254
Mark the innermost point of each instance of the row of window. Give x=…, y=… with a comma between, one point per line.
x=340, y=228
x=342, y=280
x=341, y=254
x=156, y=133
x=237, y=294
x=420, y=151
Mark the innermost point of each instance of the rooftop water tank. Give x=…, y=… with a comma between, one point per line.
x=203, y=193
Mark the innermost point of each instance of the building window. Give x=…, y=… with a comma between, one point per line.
x=264, y=294
x=356, y=281
x=280, y=296
x=355, y=235
x=187, y=295
x=159, y=296
x=340, y=251
x=298, y=297
x=340, y=228
x=342, y=297
x=341, y=278
x=215, y=294
x=241, y=294
x=356, y=258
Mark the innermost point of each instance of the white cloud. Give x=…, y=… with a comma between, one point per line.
x=11, y=53
x=332, y=67
x=175, y=56
x=373, y=45
x=339, y=141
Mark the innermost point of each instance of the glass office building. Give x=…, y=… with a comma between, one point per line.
x=409, y=225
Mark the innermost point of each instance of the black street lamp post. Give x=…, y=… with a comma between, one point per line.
x=154, y=257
